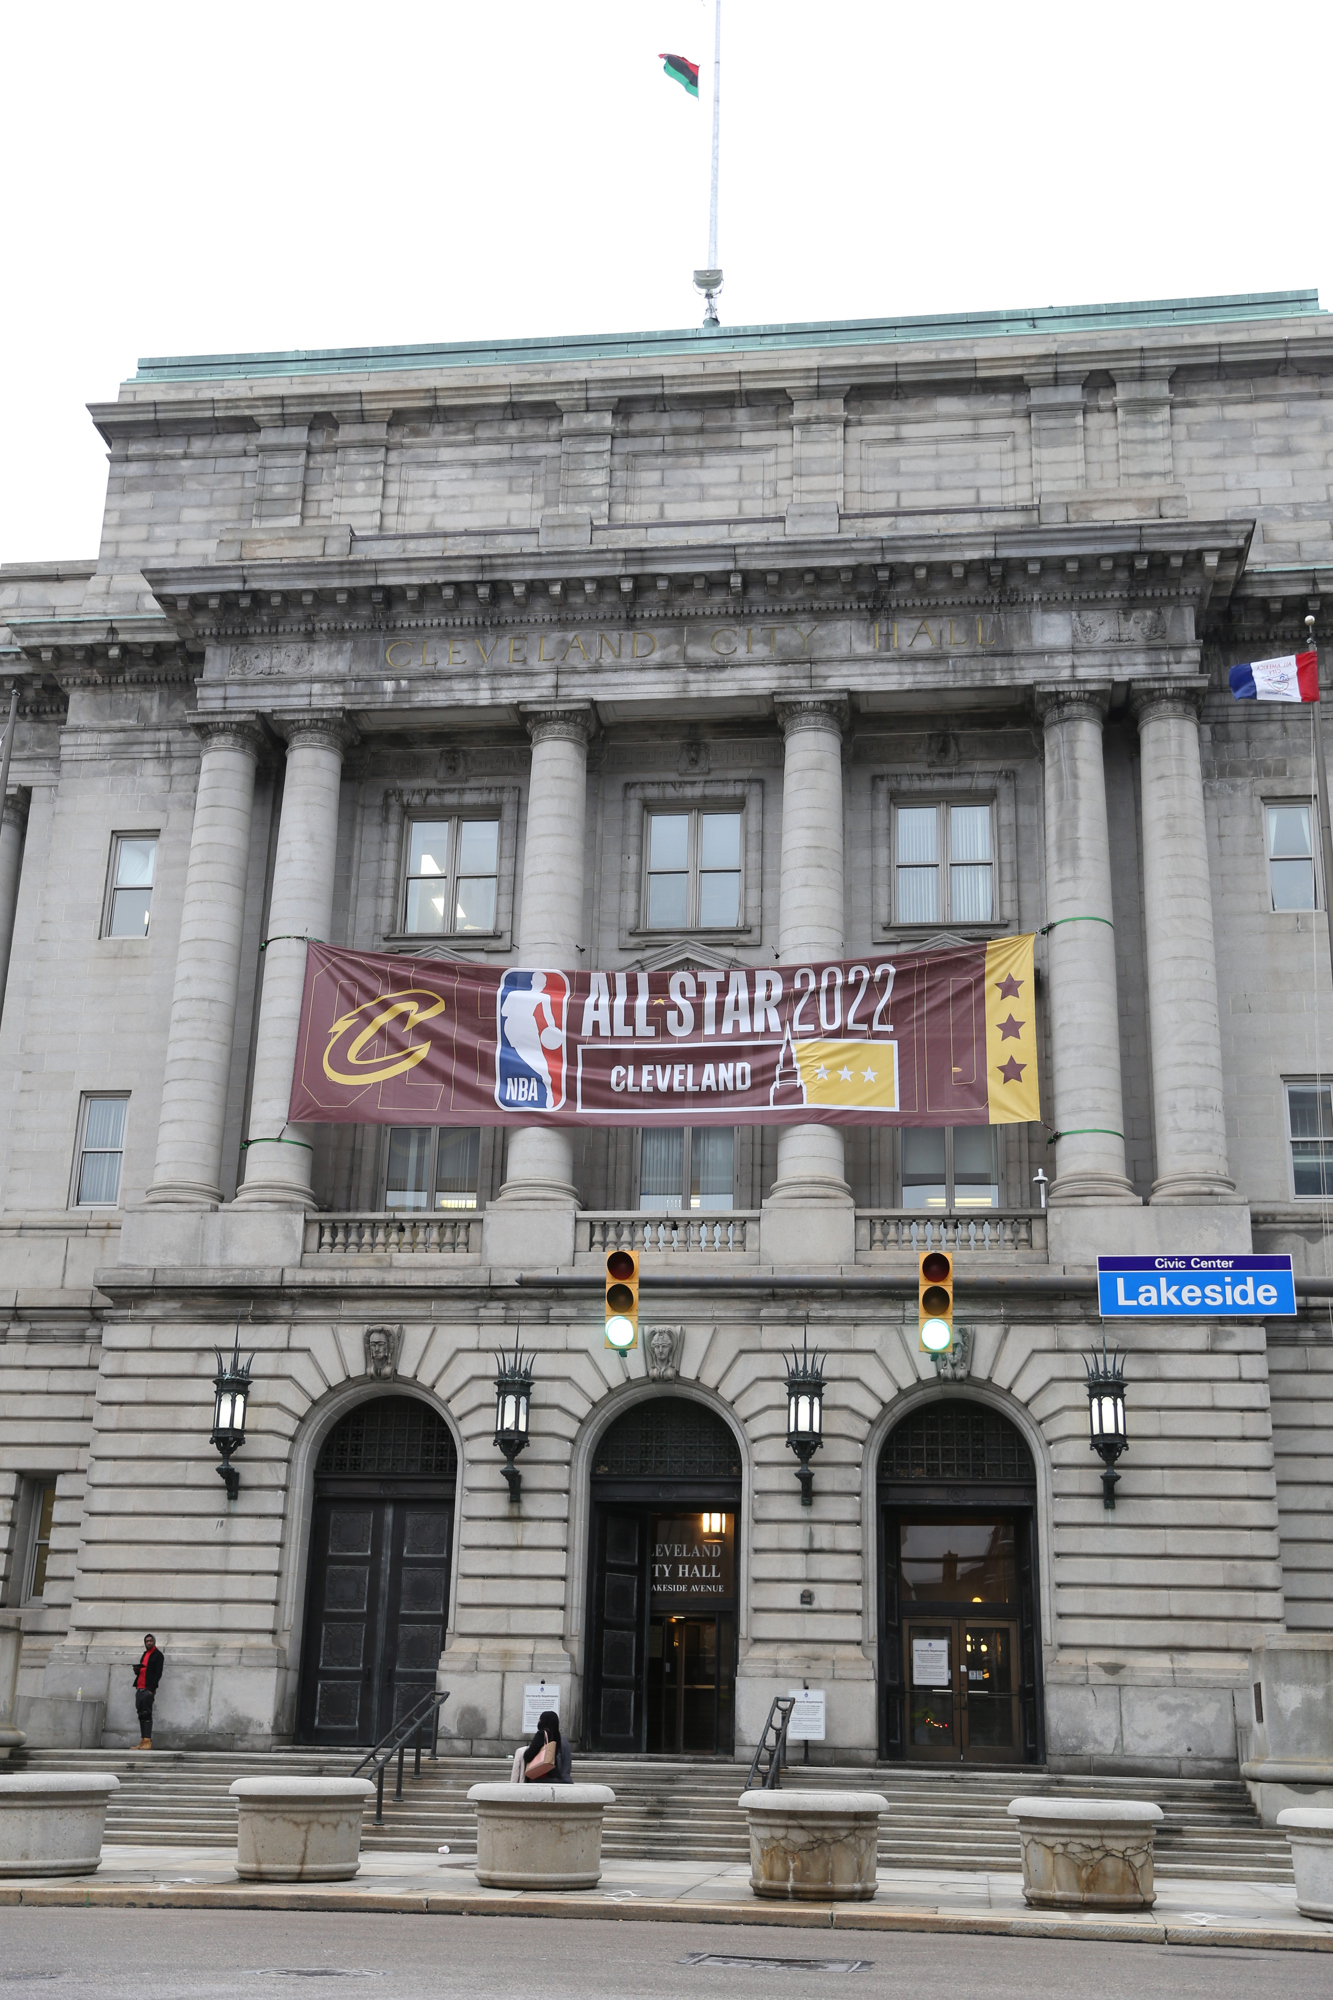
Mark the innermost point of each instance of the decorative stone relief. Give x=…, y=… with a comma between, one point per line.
x=662, y=1352
x=957, y=1365
x=384, y=1344
x=252, y=662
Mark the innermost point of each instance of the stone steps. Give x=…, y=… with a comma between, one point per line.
x=947, y=1818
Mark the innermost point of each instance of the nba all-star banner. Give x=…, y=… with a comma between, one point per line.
x=919, y=1038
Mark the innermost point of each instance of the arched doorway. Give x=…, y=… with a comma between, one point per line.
x=661, y=1624
x=378, y=1596
x=960, y=1662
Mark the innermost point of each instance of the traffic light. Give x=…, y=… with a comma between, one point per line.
x=934, y=1302
x=622, y=1300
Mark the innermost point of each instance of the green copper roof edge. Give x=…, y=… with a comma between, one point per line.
x=833, y=333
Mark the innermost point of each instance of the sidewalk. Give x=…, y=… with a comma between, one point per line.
x=1258, y=1915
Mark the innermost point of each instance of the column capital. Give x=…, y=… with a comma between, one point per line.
x=331, y=727
x=1151, y=701
x=568, y=725
x=1071, y=701
x=16, y=805
x=817, y=711
x=241, y=732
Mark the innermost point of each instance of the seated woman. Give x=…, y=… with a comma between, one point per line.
x=546, y=1760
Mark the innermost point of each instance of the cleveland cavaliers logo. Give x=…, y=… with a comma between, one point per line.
x=375, y=1041
x=530, y=1040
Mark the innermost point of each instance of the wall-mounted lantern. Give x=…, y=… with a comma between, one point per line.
x=1106, y=1414
x=513, y=1397
x=231, y=1394
x=805, y=1413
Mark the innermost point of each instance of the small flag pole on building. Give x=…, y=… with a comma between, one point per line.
x=1321, y=773
x=709, y=282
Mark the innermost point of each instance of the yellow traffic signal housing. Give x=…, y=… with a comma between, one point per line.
x=934, y=1302
x=622, y=1300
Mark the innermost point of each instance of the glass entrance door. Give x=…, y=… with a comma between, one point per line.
x=962, y=1690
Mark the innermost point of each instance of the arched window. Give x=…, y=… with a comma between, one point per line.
x=958, y=1442
x=390, y=1437
x=668, y=1437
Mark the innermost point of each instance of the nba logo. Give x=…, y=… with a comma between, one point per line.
x=530, y=1040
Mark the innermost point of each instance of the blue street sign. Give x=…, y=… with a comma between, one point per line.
x=1195, y=1287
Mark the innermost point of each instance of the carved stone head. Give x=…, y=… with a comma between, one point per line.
x=383, y=1346
x=663, y=1352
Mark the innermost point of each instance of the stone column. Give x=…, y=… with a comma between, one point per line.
x=208, y=967
x=13, y=821
x=278, y=1156
x=540, y=1160
x=1080, y=952
x=1184, y=1030
x=810, y=1157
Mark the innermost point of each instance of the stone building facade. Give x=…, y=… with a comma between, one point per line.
x=701, y=651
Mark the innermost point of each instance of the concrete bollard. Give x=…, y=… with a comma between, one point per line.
x=813, y=1846
x=299, y=1829
x=1309, y=1831
x=1087, y=1854
x=53, y=1824
x=540, y=1836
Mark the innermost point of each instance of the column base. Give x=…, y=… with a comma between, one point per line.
x=537, y=1192
x=182, y=1194
x=274, y=1193
x=808, y=1225
x=518, y=1234
x=1190, y=1189
x=1091, y=1187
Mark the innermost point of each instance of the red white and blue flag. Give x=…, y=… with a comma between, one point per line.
x=1295, y=677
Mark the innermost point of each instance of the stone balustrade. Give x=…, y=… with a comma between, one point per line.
x=1087, y=1854
x=375, y=1234
x=910, y=1231
x=733, y=1233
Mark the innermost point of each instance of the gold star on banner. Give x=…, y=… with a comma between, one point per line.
x=848, y=1075
x=1010, y=1030
x=1007, y=987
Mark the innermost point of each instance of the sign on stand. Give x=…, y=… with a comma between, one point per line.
x=1196, y=1288
x=538, y=1696
x=807, y=1718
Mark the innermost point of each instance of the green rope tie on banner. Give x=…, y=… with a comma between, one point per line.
x=288, y=937
x=1079, y=1131
x=1075, y=920
x=276, y=1142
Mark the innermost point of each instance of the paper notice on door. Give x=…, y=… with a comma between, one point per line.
x=537, y=1697
x=807, y=1718
x=930, y=1663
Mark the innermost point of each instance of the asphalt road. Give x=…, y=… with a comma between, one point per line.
x=159, y=1954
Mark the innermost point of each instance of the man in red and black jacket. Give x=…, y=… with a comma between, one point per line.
x=146, y=1677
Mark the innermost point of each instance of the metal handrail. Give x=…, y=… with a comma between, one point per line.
x=378, y=1757
x=782, y=1706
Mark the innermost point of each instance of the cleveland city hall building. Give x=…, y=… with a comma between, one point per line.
x=707, y=651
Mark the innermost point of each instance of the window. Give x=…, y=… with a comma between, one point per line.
x=1290, y=857
x=687, y=1168
x=100, y=1151
x=950, y=1167
x=432, y=1167
x=41, y=1502
x=1310, y=1130
x=944, y=862
x=693, y=871
x=452, y=874
x=129, y=893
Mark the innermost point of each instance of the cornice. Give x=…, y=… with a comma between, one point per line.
x=307, y=596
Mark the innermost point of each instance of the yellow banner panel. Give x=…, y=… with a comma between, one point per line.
x=1011, y=1032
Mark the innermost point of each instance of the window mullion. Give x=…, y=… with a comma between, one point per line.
x=948, y=1170
x=686, y=1168
x=945, y=850
x=693, y=862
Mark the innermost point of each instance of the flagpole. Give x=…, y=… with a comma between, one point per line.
x=709, y=282
x=1321, y=774
x=717, y=116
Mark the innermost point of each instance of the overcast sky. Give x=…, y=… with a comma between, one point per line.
x=266, y=174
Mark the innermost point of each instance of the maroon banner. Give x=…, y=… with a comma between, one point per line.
x=938, y=1038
